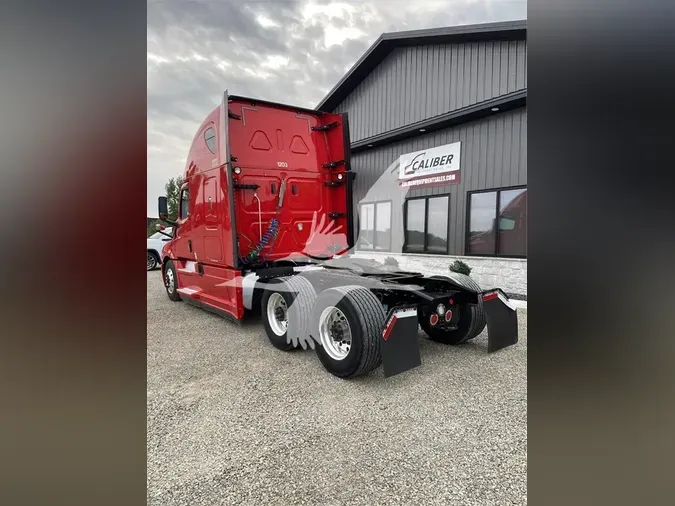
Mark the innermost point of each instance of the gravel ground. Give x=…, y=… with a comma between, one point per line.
x=232, y=420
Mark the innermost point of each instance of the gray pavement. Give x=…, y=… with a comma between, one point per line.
x=232, y=420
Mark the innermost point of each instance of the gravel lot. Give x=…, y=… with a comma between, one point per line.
x=232, y=420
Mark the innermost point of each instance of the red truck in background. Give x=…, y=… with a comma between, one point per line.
x=265, y=223
x=508, y=232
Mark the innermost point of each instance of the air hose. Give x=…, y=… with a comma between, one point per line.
x=272, y=231
x=269, y=236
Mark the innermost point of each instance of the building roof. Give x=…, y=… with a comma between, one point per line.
x=387, y=42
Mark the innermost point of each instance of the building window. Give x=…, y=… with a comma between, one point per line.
x=426, y=225
x=375, y=226
x=210, y=139
x=497, y=223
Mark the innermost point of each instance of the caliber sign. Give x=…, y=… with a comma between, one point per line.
x=430, y=167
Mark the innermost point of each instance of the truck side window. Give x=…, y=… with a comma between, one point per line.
x=210, y=139
x=184, y=203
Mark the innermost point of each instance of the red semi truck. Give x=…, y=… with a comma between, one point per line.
x=266, y=188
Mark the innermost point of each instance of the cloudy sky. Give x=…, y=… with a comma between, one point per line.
x=281, y=50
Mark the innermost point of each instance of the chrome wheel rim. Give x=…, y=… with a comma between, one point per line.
x=169, y=281
x=277, y=314
x=151, y=261
x=335, y=333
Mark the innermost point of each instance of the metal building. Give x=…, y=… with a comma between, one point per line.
x=444, y=112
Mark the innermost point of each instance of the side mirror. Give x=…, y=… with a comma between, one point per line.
x=506, y=224
x=163, y=208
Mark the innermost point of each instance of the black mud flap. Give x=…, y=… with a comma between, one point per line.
x=502, y=320
x=400, y=341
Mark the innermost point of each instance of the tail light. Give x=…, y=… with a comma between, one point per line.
x=433, y=319
x=448, y=315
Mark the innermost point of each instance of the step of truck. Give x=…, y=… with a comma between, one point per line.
x=190, y=291
x=190, y=268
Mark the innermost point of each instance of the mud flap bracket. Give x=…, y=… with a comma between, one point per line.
x=502, y=320
x=400, y=341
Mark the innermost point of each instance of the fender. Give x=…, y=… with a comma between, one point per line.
x=167, y=253
x=462, y=282
x=248, y=288
x=251, y=281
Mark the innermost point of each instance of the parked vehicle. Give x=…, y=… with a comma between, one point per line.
x=263, y=182
x=511, y=227
x=155, y=244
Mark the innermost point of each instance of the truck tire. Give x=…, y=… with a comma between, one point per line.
x=286, y=307
x=346, y=322
x=472, y=319
x=171, y=281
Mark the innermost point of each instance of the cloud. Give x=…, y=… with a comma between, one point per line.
x=285, y=51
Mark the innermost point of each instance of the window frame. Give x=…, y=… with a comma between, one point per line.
x=391, y=213
x=215, y=144
x=498, y=201
x=184, y=189
x=425, y=248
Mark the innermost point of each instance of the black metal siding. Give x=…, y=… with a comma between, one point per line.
x=493, y=155
x=419, y=82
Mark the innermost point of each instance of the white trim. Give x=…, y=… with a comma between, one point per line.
x=303, y=268
x=188, y=291
x=406, y=313
x=506, y=301
x=427, y=255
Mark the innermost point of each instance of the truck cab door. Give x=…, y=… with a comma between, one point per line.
x=184, y=245
x=212, y=249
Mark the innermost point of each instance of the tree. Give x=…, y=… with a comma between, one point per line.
x=172, y=188
x=151, y=227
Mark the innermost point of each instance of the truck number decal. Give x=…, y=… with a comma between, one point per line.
x=282, y=164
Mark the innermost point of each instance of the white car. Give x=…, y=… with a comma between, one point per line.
x=155, y=244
